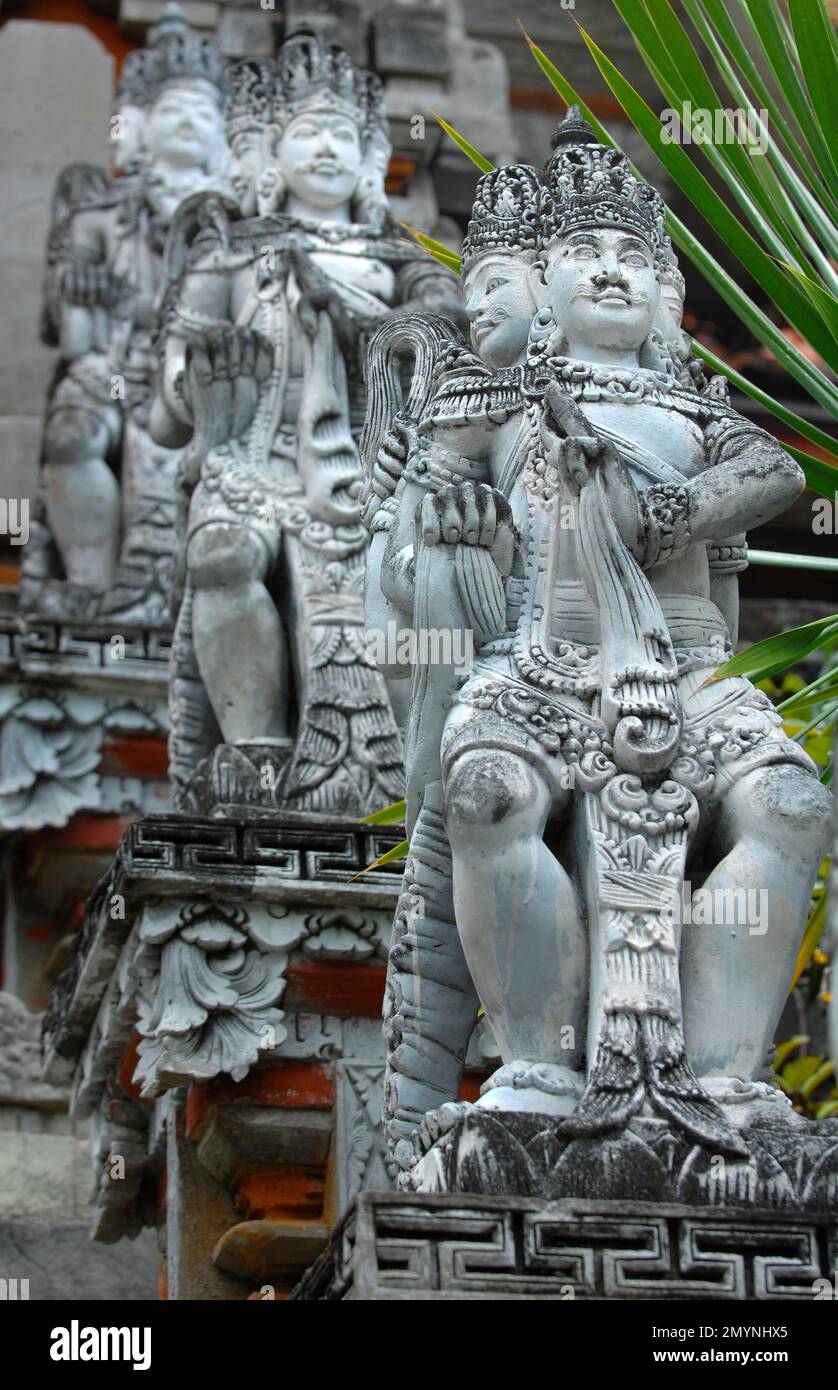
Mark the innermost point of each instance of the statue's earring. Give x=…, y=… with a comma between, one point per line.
x=542, y=325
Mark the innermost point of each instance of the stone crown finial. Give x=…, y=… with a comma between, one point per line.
x=508, y=208
x=592, y=185
x=307, y=73
x=174, y=53
x=573, y=129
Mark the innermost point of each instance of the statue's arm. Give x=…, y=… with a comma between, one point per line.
x=80, y=289
x=194, y=308
x=749, y=480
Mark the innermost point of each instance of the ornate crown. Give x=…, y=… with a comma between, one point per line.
x=307, y=74
x=175, y=53
x=509, y=206
x=592, y=185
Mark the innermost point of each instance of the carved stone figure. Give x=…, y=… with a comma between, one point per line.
x=574, y=510
x=104, y=539
x=275, y=699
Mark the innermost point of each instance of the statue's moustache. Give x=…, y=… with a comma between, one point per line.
x=313, y=166
x=587, y=291
x=491, y=320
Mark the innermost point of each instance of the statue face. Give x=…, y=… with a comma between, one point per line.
x=669, y=315
x=320, y=157
x=500, y=307
x=185, y=125
x=127, y=135
x=247, y=164
x=603, y=289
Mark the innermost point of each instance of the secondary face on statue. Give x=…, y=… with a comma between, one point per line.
x=320, y=156
x=248, y=161
x=602, y=288
x=185, y=125
x=500, y=307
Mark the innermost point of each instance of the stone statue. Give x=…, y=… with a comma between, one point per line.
x=104, y=539
x=577, y=498
x=275, y=698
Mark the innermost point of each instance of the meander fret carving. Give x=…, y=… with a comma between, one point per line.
x=392, y=1248
x=189, y=937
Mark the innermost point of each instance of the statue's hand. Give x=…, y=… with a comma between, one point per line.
x=469, y=514
x=318, y=294
x=579, y=459
x=389, y=463
x=90, y=286
x=225, y=371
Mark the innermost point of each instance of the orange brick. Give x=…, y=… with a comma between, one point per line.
x=282, y=1190
x=298, y=1085
x=341, y=988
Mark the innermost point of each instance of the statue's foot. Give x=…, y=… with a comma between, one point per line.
x=245, y=775
x=416, y=1157
x=746, y=1100
x=543, y=1087
x=63, y=600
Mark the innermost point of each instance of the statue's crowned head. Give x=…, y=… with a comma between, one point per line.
x=170, y=97
x=310, y=126
x=603, y=246
x=499, y=251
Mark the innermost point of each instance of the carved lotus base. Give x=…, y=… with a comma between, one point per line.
x=792, y=1163
x=397, y=1247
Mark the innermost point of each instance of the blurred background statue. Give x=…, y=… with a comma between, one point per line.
x=275, y=699
x=103, y=543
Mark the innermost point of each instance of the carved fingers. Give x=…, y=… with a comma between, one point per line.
x=469, y=514
x=226, y=368
x=389, y=463
x=89, y=286
x=227, y=353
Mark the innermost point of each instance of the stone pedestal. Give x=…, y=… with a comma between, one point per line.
x=264, y=1119
x=396, y=1247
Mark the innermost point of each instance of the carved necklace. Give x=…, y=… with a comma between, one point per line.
x=591, y=381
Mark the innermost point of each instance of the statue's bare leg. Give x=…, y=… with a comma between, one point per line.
x=82, y=497
x=516, y=908
x=773, y=832
x=240, y=646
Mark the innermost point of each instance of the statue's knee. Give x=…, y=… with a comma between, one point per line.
x=71, y=436
x=784, y=805
x=223, y=554
x=492, y=791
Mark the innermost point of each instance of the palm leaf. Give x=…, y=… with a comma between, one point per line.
x=467, y=149
x=780, y=287
x=777, y=653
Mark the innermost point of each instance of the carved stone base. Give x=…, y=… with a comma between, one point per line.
x=791, y=1163
x=399, y=1247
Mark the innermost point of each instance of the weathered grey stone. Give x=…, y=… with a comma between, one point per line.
x=21, y=1067
x=20, y=442
x=61, y=1264
x=276, y=704
x=393, y=1248
x=56, y=82
x=572, y=495
x=243, y=32
x=334, y=21
x=237, y=898
x=137, y=16
x=411, y=42
x=103, y=534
